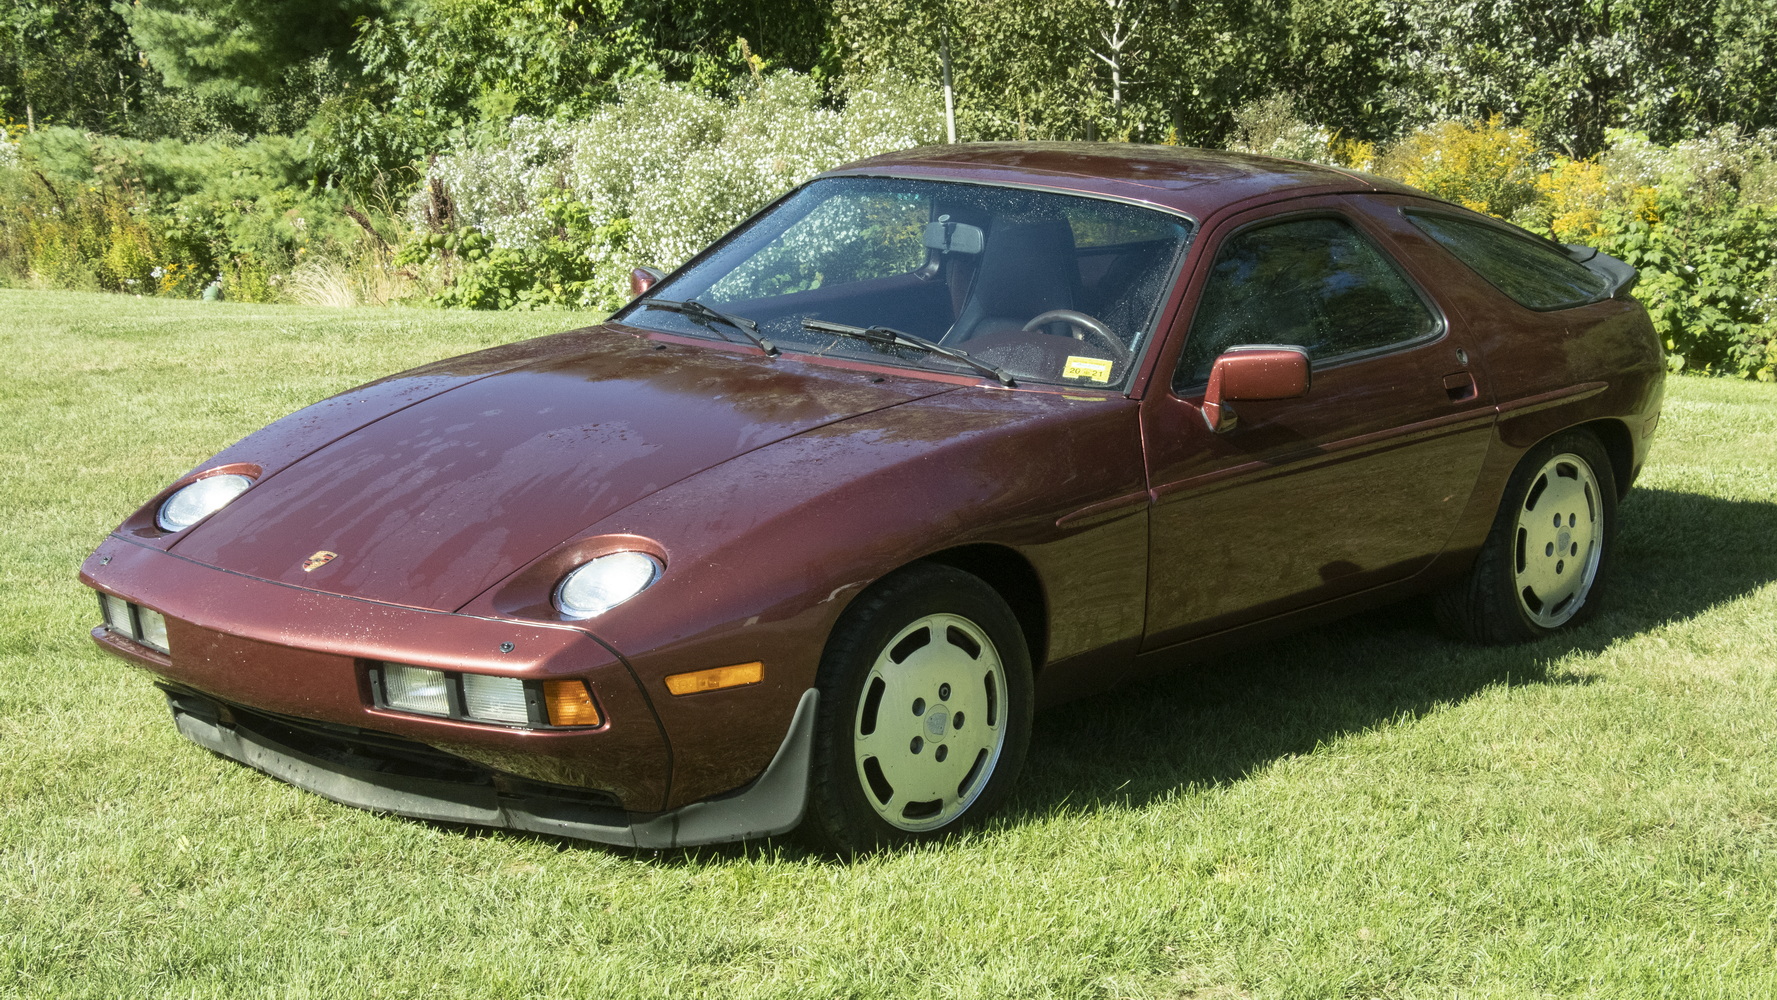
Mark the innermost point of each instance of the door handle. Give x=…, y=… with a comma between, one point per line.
x=1460, y=386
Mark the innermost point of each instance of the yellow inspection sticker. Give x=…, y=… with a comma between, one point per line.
x=1096, y=369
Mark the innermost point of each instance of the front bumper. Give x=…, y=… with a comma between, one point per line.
x=373, y=772
x=276, y=662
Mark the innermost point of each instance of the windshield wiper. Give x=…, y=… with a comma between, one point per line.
x=703, y=315
x=888, y=336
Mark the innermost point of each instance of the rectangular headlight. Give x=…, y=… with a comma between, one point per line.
x=416, y=689
x=154, y=628
x=495, y=699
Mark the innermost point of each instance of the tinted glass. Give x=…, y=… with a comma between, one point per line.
x=967, y=266
x=1534, y=274
x=1315, y=283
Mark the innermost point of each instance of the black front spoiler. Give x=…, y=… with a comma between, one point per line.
x=773, y=803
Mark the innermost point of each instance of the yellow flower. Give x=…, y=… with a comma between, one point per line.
x=1575, y=190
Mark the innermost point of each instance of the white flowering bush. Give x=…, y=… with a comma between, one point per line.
x=1723, y=165
x=558, y=211
x=1270, y=127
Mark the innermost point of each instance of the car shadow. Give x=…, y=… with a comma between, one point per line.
x=1677, y=556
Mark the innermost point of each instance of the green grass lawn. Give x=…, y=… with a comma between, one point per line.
x=1366, y=811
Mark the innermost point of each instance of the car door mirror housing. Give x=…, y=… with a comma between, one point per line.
x=1253, y=372
x=643, y=278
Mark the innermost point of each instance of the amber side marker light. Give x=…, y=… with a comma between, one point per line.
x=716, y=678
x=570, y=704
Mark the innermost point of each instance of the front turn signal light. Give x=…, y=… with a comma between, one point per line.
x=716, y=678
x=570, y=704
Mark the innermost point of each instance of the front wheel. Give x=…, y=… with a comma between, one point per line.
x=1542, y=566
x=925, y=711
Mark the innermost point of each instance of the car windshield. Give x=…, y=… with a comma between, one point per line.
x=1041, y=287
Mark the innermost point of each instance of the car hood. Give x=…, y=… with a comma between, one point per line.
x=430, y=505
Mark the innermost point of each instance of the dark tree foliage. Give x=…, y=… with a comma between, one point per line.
x=376, y=85
x=1566, y=69
x=243, y=50
x=1570, y=69
x=67, y=62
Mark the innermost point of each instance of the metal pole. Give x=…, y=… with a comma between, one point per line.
x=949, y=93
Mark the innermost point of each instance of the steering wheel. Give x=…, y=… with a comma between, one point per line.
x=1083, y=323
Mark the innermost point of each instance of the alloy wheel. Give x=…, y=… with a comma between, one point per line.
x=930, y=724
x=1559, y=540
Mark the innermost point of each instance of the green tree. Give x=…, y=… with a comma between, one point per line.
x=427, y=69
x=67, y=62
x=1570, y=69
x=1339, y=63
x=244, y=51
x=1124, y=69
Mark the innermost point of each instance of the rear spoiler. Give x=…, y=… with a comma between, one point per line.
x=1620, y=275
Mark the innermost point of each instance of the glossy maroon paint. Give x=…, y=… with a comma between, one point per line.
x=1256, y=374
x=641, y=279
x=1125, y=532
x=432, y=505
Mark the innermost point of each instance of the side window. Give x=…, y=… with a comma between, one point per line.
x=1316, y=283
x=1532, y=273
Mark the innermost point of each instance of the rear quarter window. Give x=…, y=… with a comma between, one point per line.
x=1530, y=272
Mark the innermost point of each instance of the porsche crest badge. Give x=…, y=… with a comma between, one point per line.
x=318, y=560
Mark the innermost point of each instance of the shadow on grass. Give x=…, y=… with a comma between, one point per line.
x=1677, y=556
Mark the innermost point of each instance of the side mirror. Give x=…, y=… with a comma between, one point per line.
x=1253, y=372
x=643, y=278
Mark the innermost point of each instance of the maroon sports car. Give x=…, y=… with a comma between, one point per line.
x=805, y=533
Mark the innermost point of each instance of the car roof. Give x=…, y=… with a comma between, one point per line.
x=1196, y=182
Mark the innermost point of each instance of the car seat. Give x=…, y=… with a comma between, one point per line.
x=1026, y=268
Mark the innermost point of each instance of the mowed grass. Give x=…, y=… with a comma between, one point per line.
x=1365, y=811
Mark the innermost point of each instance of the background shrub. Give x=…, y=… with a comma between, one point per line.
x=526, y=153
x=1484, y=166
x=167, y=217
x=557, y=211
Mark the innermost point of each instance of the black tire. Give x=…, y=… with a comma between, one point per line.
x=1525, y=586
x=925, y=626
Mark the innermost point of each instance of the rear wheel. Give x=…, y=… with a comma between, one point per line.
x=1542, y=566
x=925, y=711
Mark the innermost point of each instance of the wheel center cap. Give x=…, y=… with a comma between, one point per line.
x=936, y=722
x=1562, y=541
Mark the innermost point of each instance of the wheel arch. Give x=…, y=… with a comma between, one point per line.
x=1614, y=436
x=1013, y=577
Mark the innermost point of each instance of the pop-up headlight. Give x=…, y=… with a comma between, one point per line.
x=605, y=582
x=199, y=500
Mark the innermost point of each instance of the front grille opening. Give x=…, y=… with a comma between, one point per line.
x=368, y=750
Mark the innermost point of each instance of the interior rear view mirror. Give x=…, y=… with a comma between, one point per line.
x=945, y=236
